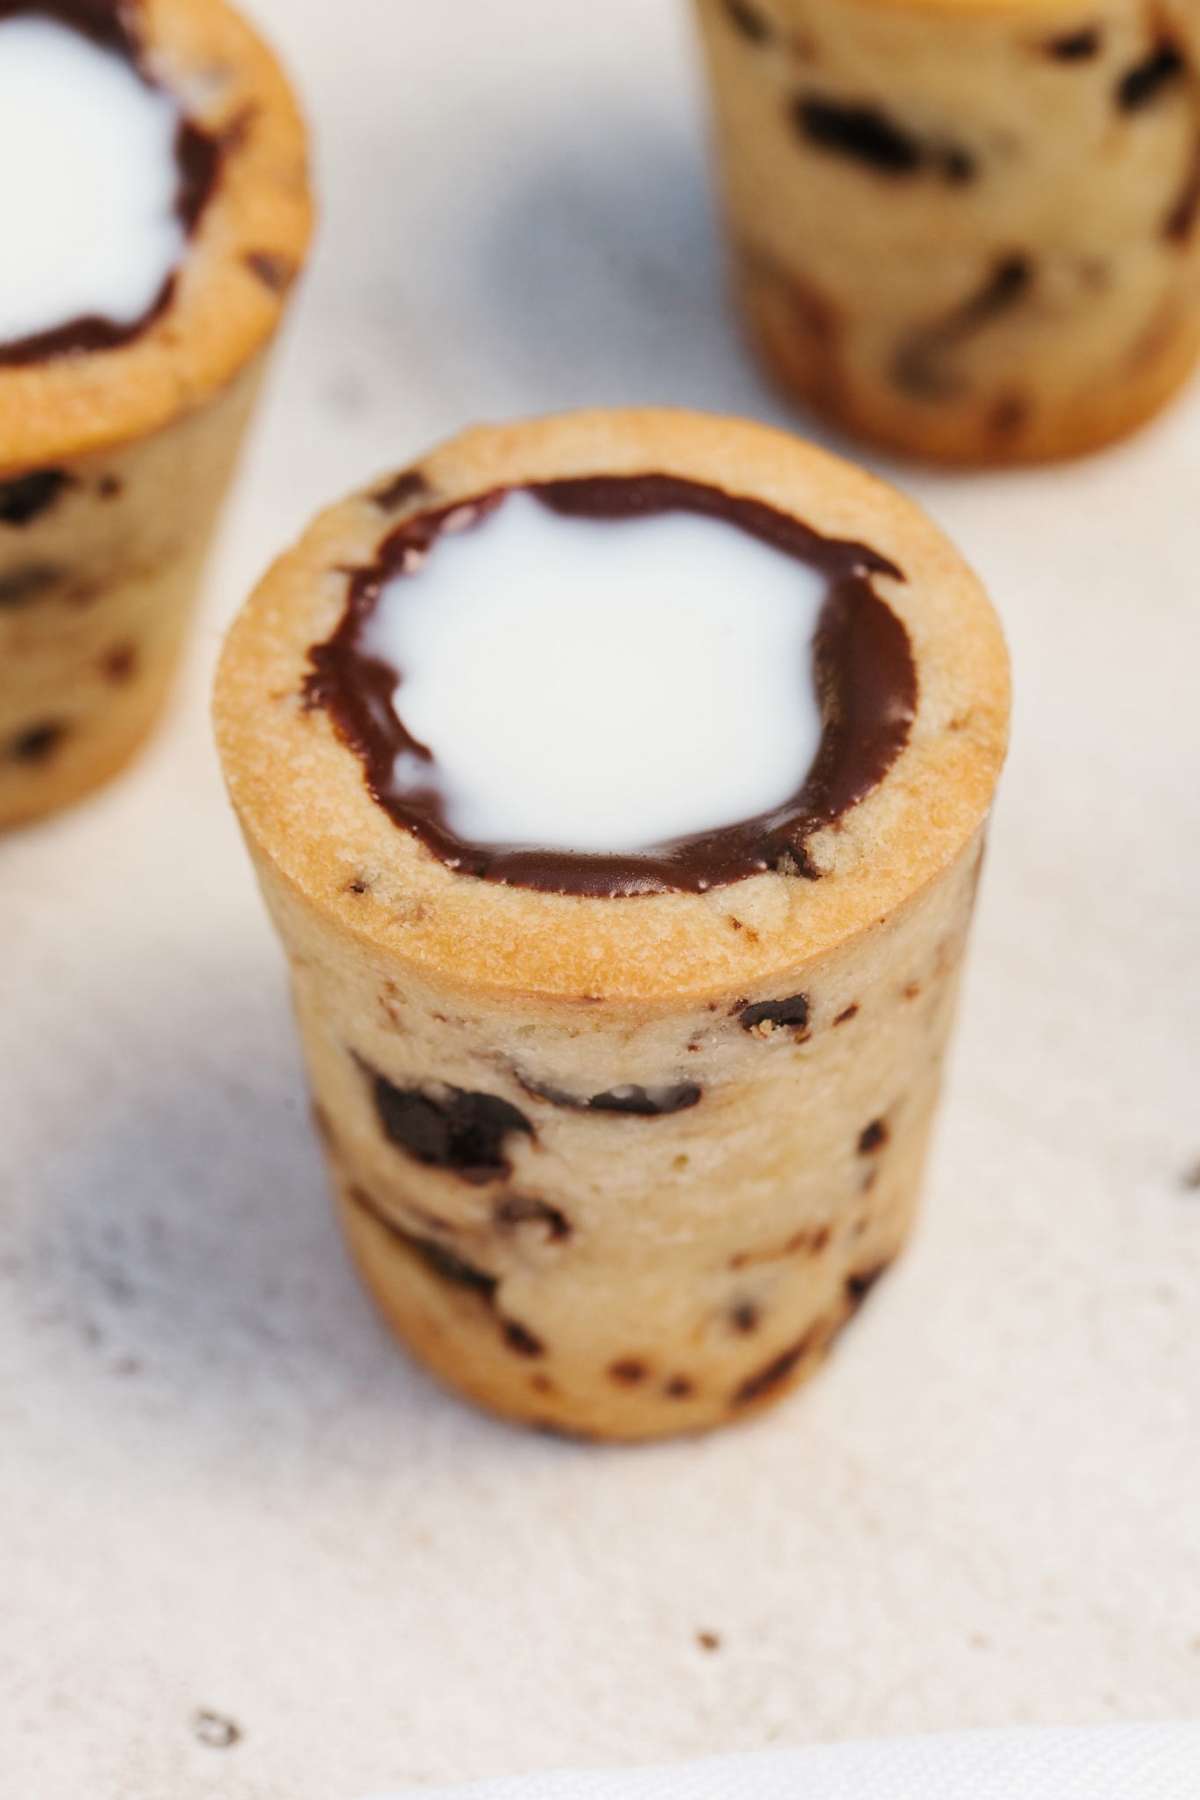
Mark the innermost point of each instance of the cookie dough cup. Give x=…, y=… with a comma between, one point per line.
x=966, y=229
x=620, y=1161
x=117, y=441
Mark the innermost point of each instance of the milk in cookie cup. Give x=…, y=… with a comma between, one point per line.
x=618, y=785
x=154, y=218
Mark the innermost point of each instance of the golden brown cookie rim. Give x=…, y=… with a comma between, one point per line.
x=222, y=312
x=305, y=807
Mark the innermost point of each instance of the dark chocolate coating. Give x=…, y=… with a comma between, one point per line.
x=862, y=669
x=108, y=23
x=409, y=485
x=111, y=25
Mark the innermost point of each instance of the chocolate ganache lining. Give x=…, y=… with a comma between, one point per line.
x=862, y=670
x=109, y=24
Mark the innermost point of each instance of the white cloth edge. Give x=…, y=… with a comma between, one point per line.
x=1126, y=1762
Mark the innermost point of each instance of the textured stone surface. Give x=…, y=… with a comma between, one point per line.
x=224, y=1500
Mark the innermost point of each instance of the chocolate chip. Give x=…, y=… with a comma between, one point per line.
x=119, y=664
x=859, y=1285
x=29, y=496
x=38, y=743
x=276, y=272
x=453, y=1269
x=748, y=20
x=110, y=487
x=517, y=1210
x=567, y=1434
x=648, y=1103
x=449, y=1128
x=359, y=885
x=806, y=1241
x=872, y=1137
x=19, y=586
x=844, y=1018
x=1179, y=226
x=1147, y=79
x=1008, y=415
x=1076, y=46
x=237, y=131
x=958, y=166
x=215, y=1731
x=793, y=859
x=402, y=491
x=440, y=1261
x=867, y=134
x=521, y=1340
x=776, y=1372
x=680, y=1387
x=745, y=1317
x=767, y=1016
x=818, y=319
x=637, y=1102
x=918, y=366
x=628, y=1372
x=1008, y=282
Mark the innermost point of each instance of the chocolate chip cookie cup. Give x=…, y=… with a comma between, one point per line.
x=161, y=215
x=618, y=785
x=968, y=230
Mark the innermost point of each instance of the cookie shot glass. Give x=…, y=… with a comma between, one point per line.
x=966, y=231
x=618, y=785
x=154, y=213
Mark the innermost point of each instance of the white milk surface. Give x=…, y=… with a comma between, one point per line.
x=88, y=182
x=599, y=685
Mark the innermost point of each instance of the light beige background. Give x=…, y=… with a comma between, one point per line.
x=220, y=1488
